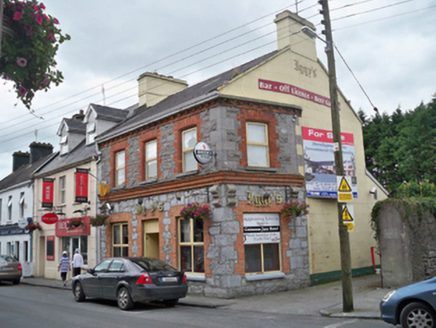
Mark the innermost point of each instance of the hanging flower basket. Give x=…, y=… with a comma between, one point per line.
x=32, y=227
x=195, y=211
x=30, y=41
x=99, y=220
x=75, y=223
x=295, y=208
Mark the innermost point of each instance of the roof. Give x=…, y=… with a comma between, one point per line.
x=109, y=113
x=184, y=99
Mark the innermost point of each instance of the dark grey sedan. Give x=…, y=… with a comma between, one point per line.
x=10, y=269
x=131, y=279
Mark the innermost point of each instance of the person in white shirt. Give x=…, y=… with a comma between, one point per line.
x=77, y=263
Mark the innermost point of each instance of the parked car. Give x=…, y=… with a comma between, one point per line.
x=411, y=306
x=10, y=269
x=131, y=279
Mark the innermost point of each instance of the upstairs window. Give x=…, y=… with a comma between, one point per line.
x=151, y=160
x=189, y=139
x=10, y=208
x=62, y=190
x=64, y=145
x=21, y=205
x=120, y=168
x=257, y=145
x=90, y=133
x=1, y=210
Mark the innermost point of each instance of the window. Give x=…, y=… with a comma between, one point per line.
x=262, y=242
x=191, y=245
x=1, y=210
x=90, y=132
x=62, y=190
x=151, y=160
x=120, y=168
x=10, y=208
x=103, y=266
x=22, y=205
x=189, y=139
x=120, y=240
x=116, y=266
x=25, y=251
x=257, y=145
x=64, y=144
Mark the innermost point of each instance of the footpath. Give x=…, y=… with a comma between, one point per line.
x=325, y=300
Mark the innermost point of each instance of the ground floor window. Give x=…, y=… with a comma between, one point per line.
x=120, y=240
x=262, y=242
x=70, y=244
x=191, y=245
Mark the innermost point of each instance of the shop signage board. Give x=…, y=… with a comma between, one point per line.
x=319, y=162
x=261, y=228
x=49, y=218
x=202, y=153
x=348, y=216
x=82, y=185
x=47, y=192
x=63, y=231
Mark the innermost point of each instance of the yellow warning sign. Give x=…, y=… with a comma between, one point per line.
x=345, y=196
x=346, y=216
x=349, y=225
x=344, y=186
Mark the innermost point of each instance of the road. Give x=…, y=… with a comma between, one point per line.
x=32, y=306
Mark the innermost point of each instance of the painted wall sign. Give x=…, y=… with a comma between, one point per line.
x=11, y=231
x=202, y=153
x=47, y=192
x=293, y=90
x=261, y=200
x=319, y=162
x=261, y=228
x=82, y=185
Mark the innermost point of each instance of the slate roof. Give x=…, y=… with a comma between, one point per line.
x=109, y=113
x=202, y=91
x=75, y=125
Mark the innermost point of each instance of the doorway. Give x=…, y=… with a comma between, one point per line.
x=151, y=238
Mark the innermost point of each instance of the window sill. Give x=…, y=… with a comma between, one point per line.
x=187, y=174
x=118, y=188
x=146, y=182
x=265, y=276
x=260, y=169
x=195, y=277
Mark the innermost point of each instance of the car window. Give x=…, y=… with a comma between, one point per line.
x=116, y=266
x=102, y=267
x=5, y=259
x=150, y=265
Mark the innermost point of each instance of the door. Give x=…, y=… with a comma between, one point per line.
x=151, y=238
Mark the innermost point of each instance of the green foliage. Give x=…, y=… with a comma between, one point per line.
x=295, y=208
x=29, y=47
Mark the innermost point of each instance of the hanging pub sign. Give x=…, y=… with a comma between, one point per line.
x=202, y=153
x=47, y=192
x=49, y=218
x=82, y=185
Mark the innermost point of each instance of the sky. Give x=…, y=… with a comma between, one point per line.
x=388, y=46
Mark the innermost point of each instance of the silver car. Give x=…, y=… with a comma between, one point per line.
x=10, y=269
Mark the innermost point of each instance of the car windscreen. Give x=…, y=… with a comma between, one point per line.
x=152, y=265
x=6, y=259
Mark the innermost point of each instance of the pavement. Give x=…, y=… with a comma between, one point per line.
x=325, y=300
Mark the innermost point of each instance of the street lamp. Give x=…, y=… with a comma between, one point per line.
x=344, y=239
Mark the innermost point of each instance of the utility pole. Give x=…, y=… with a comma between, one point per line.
x=344, y=239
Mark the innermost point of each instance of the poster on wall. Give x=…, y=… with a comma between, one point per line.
x=319, y=162
x=81, y=185
x=260, y=228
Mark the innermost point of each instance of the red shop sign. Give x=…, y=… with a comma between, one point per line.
x=64, y=228
x=49, y=218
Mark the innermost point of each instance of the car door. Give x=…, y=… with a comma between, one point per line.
x=92, y=284
x=109, y=279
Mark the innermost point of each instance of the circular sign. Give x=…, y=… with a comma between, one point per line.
x=22, y=223
x=49, y=218
x=202, y=153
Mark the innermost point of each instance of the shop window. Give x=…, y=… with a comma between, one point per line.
x=21, y=203
x=189, y=139
x=25, y=251
x=151, y=160
x=191, y=245
x=120, y=168
x=62, y=183
x=262, y=242
x=70, y=244
x=120, y=240
x=10, y=208
x=257, y=145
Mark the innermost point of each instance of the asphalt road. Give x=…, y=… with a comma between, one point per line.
x=31, y=306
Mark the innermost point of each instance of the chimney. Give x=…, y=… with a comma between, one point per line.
x=289, y=34
x=79, y=117
x=153, y=88
x=19, y=159
x=39, y=150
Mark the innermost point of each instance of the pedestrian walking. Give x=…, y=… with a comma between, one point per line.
x=64, y=267
x=77, y=263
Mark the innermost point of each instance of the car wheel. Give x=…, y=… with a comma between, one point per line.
x=418, y=315
x=171, y=303
x=16, y=281
x=79, y=295
x=124, y=300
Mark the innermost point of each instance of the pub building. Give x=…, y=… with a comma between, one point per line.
x=199, y=175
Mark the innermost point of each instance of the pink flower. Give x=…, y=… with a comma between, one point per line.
x=47, y=18
x=50, y=37
x=55, y=20
x=18, y=15
x=42, y=6
x=38, y=19
x=22, y=91
x=22, y=62
x=28, y=29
